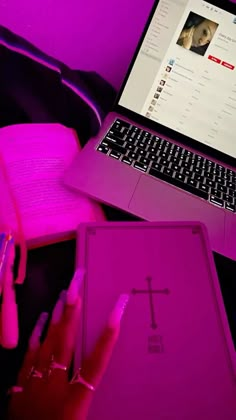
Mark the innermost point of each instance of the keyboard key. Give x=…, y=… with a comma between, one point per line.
x=141, y=166
x=116, y=147
x=163, y=154
x=204, y=187
x=232, y=193
x=186, y=172
x=168, y=171
x=117, y=133
x=120, y=123
x=133, y=155
x=114, y=139
x=230, y=206
x=141, y=144
x=186, y=165
x=220, y=180
x=209, y=175
x=216, y=193
x=219, y=202
x=130, y=140
x=192, y=182
x=198, y=178
x=189, y=154
x=156, y=139
x=103, y=149
x=228, y=198
x=220, y=168
x=197, y=170
x=146, y=134
x=230, y=185
x=200, y=159
x=221, y=188
x=145, y=161
x=230, y=172
x=141, y=152
x=115, y=155
x=127, y=160
x=152, y=156
x=156, y=166
x=152, y=150
x=210, y=183
x=175, y=167
x=135, y=131
x=130, y=146
x=179, y=176
x=163, y=162
x=174, y=160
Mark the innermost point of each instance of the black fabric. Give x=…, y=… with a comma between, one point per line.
x=31, y=91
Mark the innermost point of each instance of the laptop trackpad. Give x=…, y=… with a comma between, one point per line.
x=155, y=200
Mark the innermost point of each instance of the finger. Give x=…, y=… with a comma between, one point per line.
x=33, y=349
x=60, y=340
x=94, y=367
x=67, y=333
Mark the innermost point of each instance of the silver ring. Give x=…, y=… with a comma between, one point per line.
x=78, y=379
x=34, y=373
x=15, y=390
x=54, y=365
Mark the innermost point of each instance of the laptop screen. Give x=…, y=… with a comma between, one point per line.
x=184, y=76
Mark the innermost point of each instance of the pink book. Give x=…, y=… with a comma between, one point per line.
x=34, y=201
x=175, y=357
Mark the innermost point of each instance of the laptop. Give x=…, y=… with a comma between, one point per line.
x=167, y=151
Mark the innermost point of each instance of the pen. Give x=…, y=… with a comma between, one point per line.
x=4, y=238
x=9, y=313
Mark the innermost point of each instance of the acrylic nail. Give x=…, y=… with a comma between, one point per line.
x=59, y=308
x=75, y=286
x=118, y=311
x=34, y=341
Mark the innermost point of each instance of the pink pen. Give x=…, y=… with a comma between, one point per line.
x=9, y=313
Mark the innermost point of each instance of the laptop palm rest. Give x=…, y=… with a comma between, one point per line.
x=155, y=200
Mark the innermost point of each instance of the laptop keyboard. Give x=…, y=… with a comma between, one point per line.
x=171, y=163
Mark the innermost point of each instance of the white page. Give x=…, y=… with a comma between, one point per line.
x=36, y=156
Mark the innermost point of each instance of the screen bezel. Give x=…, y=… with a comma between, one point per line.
x=159, y=128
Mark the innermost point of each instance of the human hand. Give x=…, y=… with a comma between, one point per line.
x=188, y=38
x=43, y=388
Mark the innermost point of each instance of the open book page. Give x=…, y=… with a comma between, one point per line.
x=36, y=156
x=8, y=220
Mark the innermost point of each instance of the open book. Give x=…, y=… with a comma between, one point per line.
x=33, y=158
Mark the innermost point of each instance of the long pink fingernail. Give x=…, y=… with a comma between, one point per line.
x=58, y=308
x=75, y=286
x=34, y=341
x=118, y=311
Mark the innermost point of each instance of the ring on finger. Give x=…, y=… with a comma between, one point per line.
x=78, y=379
x=55, y=365
x=34, y=373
